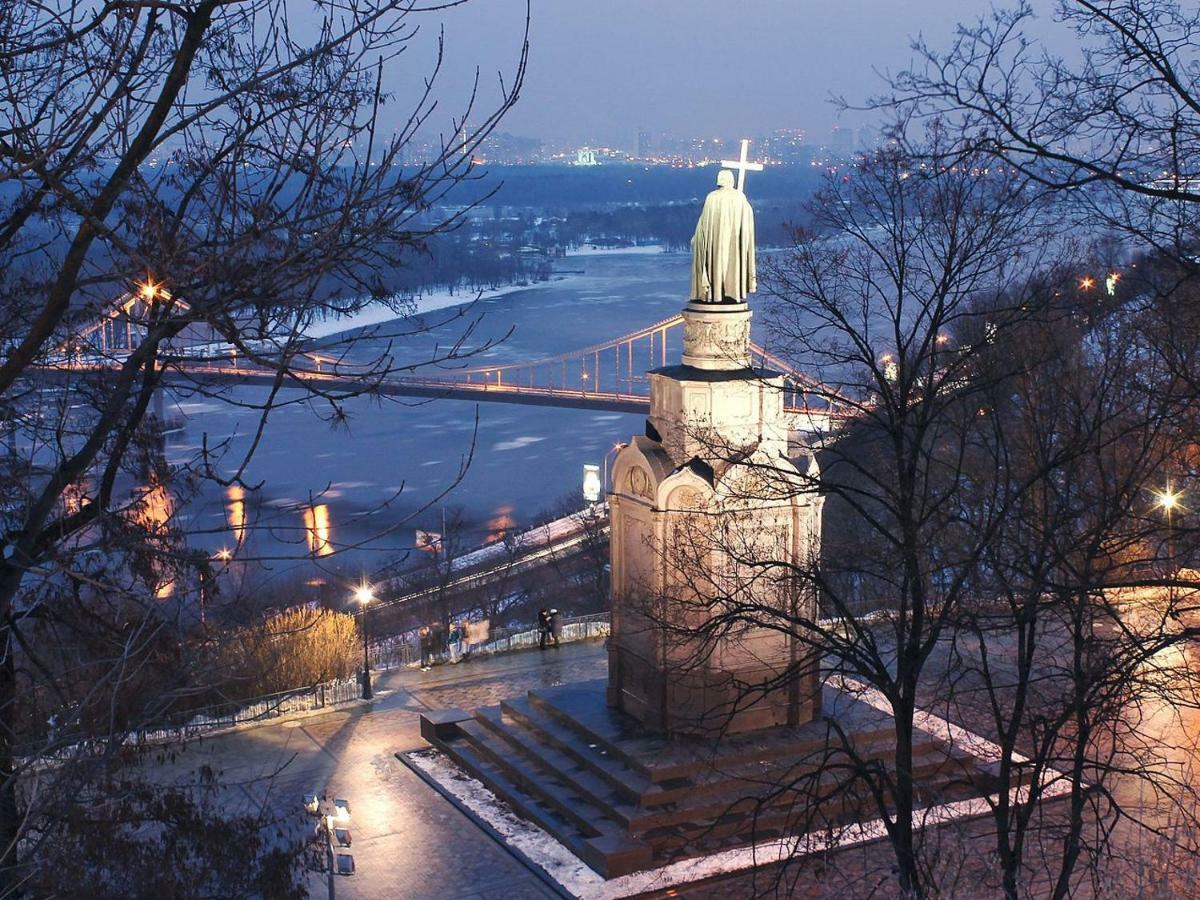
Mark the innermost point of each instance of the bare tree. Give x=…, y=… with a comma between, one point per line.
x=204, y=180
x=584, y=562
x=993, y=548
x=1069, y=647
x=878, y=305
x=1117, y=128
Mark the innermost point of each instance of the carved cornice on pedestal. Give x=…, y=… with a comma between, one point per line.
x=716, y=336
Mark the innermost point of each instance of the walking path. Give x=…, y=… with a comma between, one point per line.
x=408, y=842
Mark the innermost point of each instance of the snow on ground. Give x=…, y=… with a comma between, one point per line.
x=429, y=301
x=577, y=879
x=594, y=250
x=432, y=301
x=540, y=536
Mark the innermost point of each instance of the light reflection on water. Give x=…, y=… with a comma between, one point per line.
x=317, y=529
x=523, y=460
x=236, y=496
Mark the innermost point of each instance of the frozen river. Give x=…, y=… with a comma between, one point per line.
x=381, y=477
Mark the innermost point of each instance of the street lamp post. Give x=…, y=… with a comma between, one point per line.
x=364, y=595
x=1168, y=502
x=619, y=445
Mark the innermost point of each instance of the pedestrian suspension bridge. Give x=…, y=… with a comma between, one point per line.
x=609, y=375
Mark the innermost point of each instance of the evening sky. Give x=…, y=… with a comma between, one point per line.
x=601, y=70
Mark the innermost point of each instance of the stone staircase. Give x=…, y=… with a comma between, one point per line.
x=623, y=799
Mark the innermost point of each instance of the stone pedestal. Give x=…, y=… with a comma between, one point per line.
x=717, y=336
x=706, y=491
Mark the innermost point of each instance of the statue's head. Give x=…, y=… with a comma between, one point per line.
x=725, y=178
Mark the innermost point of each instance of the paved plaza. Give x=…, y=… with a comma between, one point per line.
x=408, y=842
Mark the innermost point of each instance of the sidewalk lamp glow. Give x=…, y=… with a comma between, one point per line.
x=592, y=485
x=364, y=594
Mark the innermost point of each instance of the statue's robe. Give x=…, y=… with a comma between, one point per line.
x=723, y=248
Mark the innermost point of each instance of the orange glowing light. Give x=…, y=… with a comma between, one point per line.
x=236, y=496
x=224, y=554
x=316, y=527
x=149, y=290
x=500, y=524
x=1087, y=283
x=74, y=495
x=156, y=508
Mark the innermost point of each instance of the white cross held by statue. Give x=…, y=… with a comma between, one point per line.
x=742, y=166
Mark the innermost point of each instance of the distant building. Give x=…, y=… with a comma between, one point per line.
x=510, y=149
x=585, y=156
x=842, y=141
x=786, y=146
x=643, y=145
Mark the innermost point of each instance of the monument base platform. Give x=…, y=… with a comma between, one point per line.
x=624, y=799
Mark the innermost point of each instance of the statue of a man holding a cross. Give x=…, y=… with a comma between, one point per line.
x=723, y=269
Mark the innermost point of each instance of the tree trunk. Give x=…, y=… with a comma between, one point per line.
x=902, y=831
x=10, y=819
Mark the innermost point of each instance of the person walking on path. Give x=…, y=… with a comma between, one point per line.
x=426, y=639
x=546, y=630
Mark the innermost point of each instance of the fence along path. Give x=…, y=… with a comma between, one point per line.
x=393, y=654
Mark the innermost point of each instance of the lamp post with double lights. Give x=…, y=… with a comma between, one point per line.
x=364, y=595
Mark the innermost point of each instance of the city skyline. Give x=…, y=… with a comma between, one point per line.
x=599, y=75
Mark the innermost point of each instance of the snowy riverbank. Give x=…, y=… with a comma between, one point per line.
x=594, y=250
x=432, y=301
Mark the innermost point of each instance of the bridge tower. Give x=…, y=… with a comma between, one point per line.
x=704, y=505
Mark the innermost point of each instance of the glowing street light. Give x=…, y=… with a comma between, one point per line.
x=364, y=594
x=224, y=554
x=1168, y=500
x=1087, y=282
x=148, y=290
x=891, y=371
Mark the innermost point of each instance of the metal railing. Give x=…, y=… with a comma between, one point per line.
x=260, y=709
x=580, y=628
x=401, y=651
